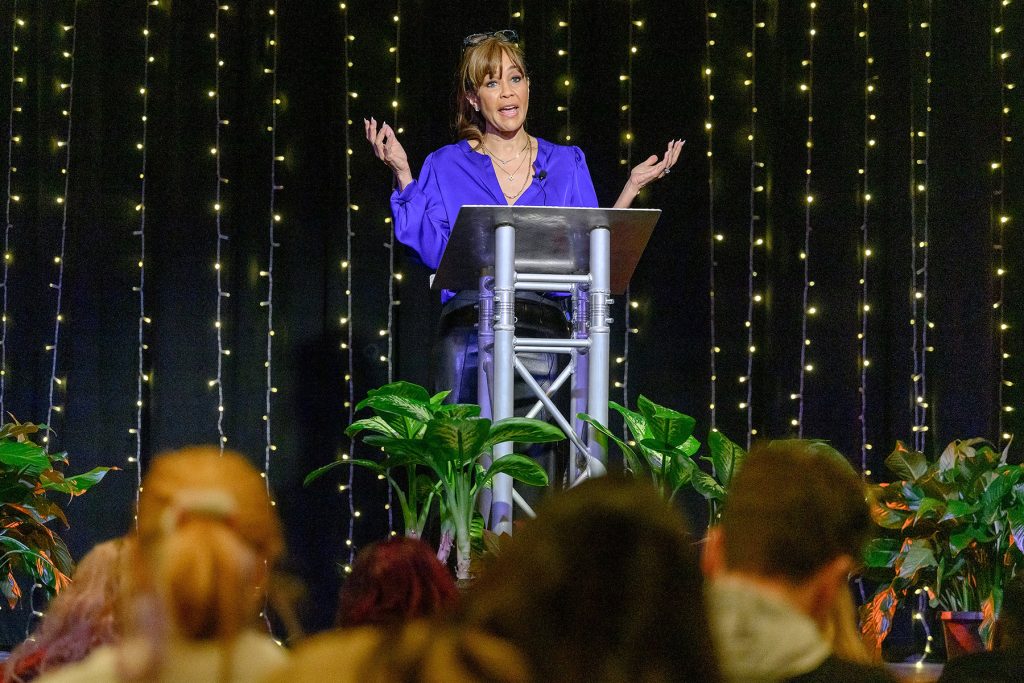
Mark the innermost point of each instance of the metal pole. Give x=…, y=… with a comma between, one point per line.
x=504, y=375
x=556, y=414
x=600, y=288
x=484, y=357
x=578, y=388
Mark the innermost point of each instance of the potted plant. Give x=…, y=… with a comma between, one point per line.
x=32, y=550
x=662, y=446
x=421, y=434
x=950, y=528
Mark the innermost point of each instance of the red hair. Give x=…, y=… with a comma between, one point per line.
x=394, y=581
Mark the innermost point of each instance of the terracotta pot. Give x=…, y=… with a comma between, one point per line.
x=961, y=631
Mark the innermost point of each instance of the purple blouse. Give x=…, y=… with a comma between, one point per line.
x=455, y=176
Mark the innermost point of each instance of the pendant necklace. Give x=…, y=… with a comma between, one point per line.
x=526, y=179
x=506, y=161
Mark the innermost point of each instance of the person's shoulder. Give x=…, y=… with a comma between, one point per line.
x=452, y=151
x=836, y=670
x=990, y=666
x=99, y=665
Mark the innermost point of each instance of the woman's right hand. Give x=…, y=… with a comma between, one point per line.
x=388, y=149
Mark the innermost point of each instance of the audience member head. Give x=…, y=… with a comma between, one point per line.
x=602, y=586
x=417, y=652
x=796, y=517
x=1009, y=629
x=396, y=580
x=81, y=618
x=207, y=536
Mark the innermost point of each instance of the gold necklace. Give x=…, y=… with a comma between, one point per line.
x=526, y=180
x=520, y=166
x=505, y=161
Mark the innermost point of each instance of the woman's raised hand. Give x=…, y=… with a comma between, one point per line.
x=648, y=171
x=652, y=168
x=388, y=149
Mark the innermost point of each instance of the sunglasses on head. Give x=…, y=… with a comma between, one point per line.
x=506, y=35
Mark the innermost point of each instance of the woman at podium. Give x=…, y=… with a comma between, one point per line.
x=495, y=161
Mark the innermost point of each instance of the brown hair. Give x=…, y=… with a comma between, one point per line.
x=479, y=61
x=603, y=586
x=795, y=506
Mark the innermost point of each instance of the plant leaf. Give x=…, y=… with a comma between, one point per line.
x=929, y=508
x=79, y=483
x=24, y=455
x=633, y=459
x=706, y=485
x=519, y=467
x=456, y=441
x=401, y=406
x=437, y=400
x=666, y=425
x=522, y=430
x=880, y=553
x=907, y=464
x=876, y=616
x=1015, y=518
x=635, y=421
x=916, y=554
x=375, y=424
x=726, y=456
x=458, y=411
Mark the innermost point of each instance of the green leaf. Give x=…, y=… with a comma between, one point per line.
x=726, y=456
x=24, y=455
x=633, y=460
x=375, y=424
x=459, y=411
x=916, y=554
x=957, y=510
x=519, y=467
x=680, y=472
x=929, y=508
x=401, y=406
x=960, y=540
x=79, y=483
x=706, y=486
x=635, y=421
x=522, y=430
x=412, y=451
x=666, y=425
x=1015, y=518
x=993, y=495
x=880, y=553
x=437, y=400
x=907, y=464
x=401, y=389
x=690, y=446
x=458, y=441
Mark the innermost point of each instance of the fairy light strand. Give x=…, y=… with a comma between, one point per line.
x=218, y=225
x=141, y=376
x=865, y=235
x=273, y=219
x=626, y=160
x=517, y=17
x=12, y=198
x=919, y=215
x=65, y=146
x=754, y=240
x=567, y=84
x=808, y=310
x=346, y=267
x=713, y=236
x=999, y=214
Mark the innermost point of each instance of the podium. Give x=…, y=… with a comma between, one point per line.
x=587, y=253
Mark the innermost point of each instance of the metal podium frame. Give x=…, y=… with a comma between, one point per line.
x=501, y=249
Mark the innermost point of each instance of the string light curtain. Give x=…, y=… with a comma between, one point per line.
x=273, y=219
x=143, y=320
x=864, y=307
x=755, y=239
x=16, y=93
x=66, y=91
x=713, y=236
x=346, y=269
x=566, y=26
x=920, y=120
x=626, y=161
x=221, y=236
x=808, y=310
x=1000, y=218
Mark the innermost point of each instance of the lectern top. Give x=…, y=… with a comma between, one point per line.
x=549, y=239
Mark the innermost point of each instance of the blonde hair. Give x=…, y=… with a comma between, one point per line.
x=206, y=530
x=478, y=62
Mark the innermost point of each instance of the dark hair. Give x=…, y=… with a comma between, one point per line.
x=393, y=581
x=480, y=60
x=794, y=506
x=603, y=586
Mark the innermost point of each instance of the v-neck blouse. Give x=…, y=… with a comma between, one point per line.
x=454, y=176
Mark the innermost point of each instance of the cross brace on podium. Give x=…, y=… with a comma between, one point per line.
x=589, y=253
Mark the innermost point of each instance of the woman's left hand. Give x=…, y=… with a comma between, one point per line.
x=652, y=168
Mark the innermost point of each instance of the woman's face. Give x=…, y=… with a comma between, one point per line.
x=504, y=99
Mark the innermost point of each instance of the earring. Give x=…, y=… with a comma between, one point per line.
x=476, y=107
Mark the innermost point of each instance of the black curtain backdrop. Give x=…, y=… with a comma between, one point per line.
x=669, y=359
